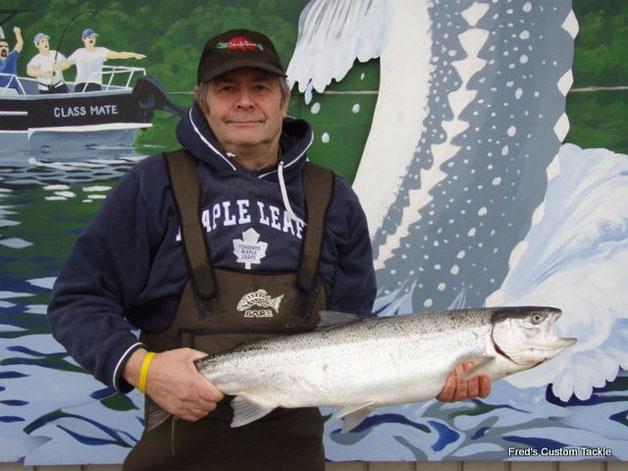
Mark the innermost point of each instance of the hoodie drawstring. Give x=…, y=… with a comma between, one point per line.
x=284, y=195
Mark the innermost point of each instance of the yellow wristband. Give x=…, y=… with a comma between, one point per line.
x=144, y=371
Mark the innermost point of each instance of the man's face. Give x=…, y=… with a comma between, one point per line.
x=89, y=41
x=43, y=45
x=4, y=49
x=244, y=109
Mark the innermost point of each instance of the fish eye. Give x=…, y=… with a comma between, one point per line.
x=537, y=318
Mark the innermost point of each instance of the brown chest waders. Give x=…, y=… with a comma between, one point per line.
x=208, y=319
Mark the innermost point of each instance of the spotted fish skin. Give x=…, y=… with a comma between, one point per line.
x=453, y=247
x=374, y=361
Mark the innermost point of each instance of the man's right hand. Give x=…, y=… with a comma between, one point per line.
x=174, y=383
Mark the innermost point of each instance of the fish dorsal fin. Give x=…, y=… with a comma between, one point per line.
x=354, y=415
x=246, y=410
x=481, y=367
x=331, y=319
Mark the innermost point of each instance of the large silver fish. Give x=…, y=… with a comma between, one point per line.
x=363, y=363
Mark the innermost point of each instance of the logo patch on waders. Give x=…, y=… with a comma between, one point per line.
x=259, y=304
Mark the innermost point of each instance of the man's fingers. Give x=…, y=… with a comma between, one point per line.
x=457, y=389
x=176, y=385
x=208, y=392
x=190, y=408
x=485, y=386
x=473, y=387
x=447, y=393
x=461, y=390
x=192, y=416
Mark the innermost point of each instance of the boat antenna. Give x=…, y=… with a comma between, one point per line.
x=92, y=12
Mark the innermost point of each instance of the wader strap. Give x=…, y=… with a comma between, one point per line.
x=318, y=185
x=183, y=171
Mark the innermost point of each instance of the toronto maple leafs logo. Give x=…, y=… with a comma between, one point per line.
x=249, y=249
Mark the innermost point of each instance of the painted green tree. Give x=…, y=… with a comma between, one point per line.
x=171, y=34
x=599, y=118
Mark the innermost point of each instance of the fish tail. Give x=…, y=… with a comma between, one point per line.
x=155, y=415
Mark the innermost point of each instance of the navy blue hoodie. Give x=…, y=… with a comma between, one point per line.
x=127, y=269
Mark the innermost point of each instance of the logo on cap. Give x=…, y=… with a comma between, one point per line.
x=240, y=43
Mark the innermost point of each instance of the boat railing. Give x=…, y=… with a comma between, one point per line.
x=113, y=78
x=115, y=71
x=9, y=88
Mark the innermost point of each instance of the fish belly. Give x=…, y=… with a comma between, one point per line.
x=376, y=369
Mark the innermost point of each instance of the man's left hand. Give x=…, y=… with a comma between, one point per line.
x=457, y=389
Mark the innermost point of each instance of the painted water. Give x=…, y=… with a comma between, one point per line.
x=48, y=404
x=53, y=412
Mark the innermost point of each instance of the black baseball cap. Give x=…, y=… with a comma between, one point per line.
x=235, y=49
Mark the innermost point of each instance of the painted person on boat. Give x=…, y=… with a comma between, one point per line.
x=89, y=62
x=8, y=61
x=233, y=238
x=41, y=66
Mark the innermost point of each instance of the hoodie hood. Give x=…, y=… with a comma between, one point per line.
x=296, y=137
x=195, y=135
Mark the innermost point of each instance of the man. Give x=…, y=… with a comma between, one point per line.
x=182, y=241
x=89, y=61
x=8, y=61
x=41, y=66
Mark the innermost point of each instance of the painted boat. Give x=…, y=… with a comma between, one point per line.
x=70, y=123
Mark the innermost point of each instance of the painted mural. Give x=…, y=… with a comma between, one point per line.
x=482, y=184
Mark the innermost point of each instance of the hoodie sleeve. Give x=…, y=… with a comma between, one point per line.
x=100, y=281
x=353, y=289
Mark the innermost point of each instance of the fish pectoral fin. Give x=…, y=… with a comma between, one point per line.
x=334, y=319
x=354, y=415
x=480, y=367
x=352, y=408
x=246, y=410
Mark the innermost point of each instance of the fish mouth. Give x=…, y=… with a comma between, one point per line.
x=554, y=347
x=565, y=342
x=538, y=353
x=557, y=344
